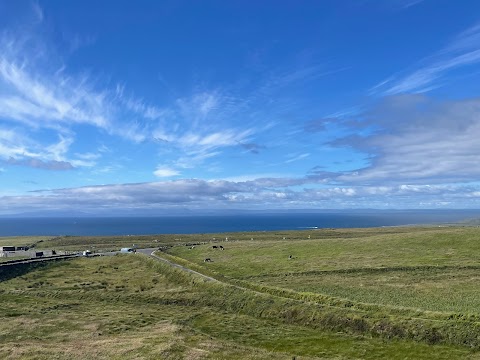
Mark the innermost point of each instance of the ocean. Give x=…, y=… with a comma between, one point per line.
x=91, y=226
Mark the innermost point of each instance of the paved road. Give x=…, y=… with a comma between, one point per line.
x=15, y=262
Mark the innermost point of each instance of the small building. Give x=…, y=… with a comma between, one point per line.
x=7, y=248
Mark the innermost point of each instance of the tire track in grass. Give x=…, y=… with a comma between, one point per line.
x=151, y=254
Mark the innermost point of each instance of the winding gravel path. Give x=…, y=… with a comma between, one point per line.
x=150, y=252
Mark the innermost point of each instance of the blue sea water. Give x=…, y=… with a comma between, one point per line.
x=221, y=223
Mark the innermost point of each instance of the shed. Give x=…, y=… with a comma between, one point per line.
x=7, y=248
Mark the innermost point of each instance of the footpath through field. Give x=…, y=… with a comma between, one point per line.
x=150, y=252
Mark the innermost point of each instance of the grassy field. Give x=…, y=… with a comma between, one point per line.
x=433, y=269
x=409, y=247
x=435, y=289
x=407, y=276
x=109, y=307
x=133, y=307
x=79, y=243
x=389, y=293
x=22, y=240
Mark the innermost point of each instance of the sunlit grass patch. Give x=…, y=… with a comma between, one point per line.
x=434, y=289
x=22, y=240
x=415, y=247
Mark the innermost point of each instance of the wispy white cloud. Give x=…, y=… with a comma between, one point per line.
x=199, y=106
x=138, y=106
x=39, y=93
x=409, y=3
x=418, y=140
x=163, y=171
x=197, y=126
x=430, y=73
x=37, y=97
x=48, y=100
x=37, y=11
x=19, y=149
x=297, y=157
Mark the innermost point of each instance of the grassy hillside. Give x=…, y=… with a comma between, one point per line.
x=418, y=277
x=79, y=243
x=130, y=306
x=22, y=240
x=110, y=307
x=410, y=247
x=389, y=293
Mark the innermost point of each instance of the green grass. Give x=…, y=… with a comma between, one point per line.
x=78, y=243
x=388, y=293
x=22, y=240
x=110, y=307
x=453, y=290
x=428, y=268
x=416, y=278
x=415, y=247
x=130, y=306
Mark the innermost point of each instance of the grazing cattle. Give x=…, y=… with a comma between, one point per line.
x=192, y=247
x=207, y=260
x=214, y=247
x=290, y=257
x=221, y=247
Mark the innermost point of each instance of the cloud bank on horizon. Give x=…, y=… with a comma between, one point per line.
x=217, y=105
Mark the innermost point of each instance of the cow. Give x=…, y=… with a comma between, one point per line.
x=221, y=247
x=214, y=247
x=207, y=260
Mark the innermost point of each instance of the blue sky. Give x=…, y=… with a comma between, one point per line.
x=154, y=106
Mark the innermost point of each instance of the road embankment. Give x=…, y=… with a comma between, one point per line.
x=11, y=269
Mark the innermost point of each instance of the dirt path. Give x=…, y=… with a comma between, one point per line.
x=150, y=252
